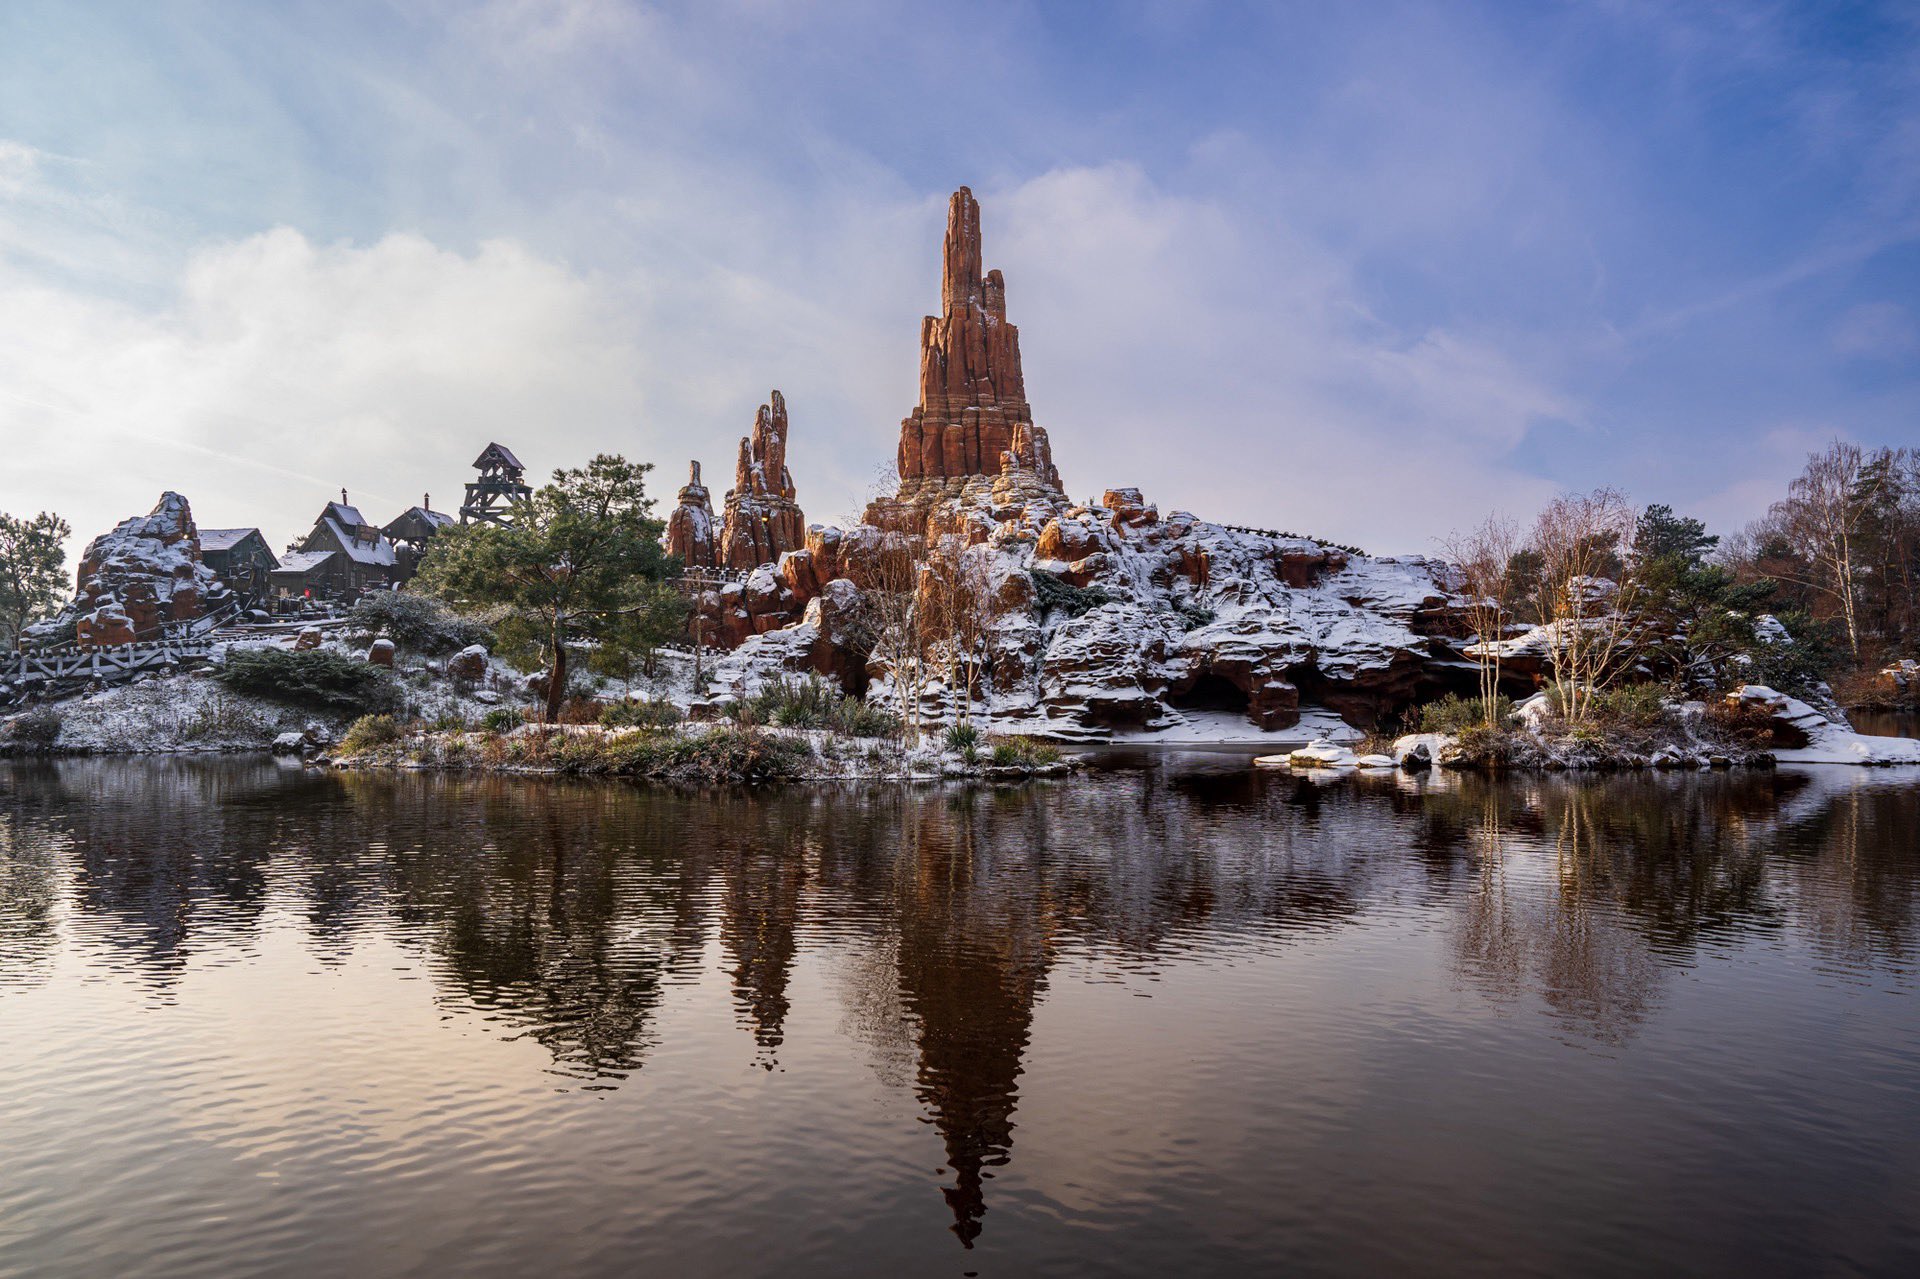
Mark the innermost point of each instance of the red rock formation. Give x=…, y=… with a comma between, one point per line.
x=134, y=580
x=690, y=527
x=762, y=519
x=973, y=396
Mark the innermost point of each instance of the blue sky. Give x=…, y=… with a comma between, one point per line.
x=1364, y=270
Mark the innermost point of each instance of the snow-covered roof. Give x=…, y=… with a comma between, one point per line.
x=379, y=551
x=344, y=514
x=302, y=561
x=223, y=539
x=439, y=519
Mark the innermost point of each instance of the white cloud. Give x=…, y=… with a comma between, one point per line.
x=282, y=371
x=1226, y=368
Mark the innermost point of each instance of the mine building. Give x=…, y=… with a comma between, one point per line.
x=242, y=558
x=410, y=531
x=340, y=559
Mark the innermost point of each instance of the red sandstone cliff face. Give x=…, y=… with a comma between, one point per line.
x=690, y=533
x=973, y=395
x=762, y=519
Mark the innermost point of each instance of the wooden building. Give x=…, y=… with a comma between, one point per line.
x=242, y=558
x=341, y=558
x=410, y=531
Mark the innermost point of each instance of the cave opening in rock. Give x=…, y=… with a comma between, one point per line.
x=1211, y=693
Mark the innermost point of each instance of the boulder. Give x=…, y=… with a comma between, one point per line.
x=380, y=653
x=289, y=743
x=309, y=638
x=470, y=663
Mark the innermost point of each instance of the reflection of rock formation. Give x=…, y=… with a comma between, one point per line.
x=973, y=956
x=758, y=913
x=762, y=521
x=690, y=527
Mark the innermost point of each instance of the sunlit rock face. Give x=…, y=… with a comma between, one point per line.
x=136, y=579
x=762, y=521
x=1095, y=618
x=690, y=532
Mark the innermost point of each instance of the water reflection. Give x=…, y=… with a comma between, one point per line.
x=568, y=914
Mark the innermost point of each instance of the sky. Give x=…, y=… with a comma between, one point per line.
x=1365, y=271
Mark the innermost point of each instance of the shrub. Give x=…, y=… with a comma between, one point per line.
x=37, y=729
x=369, y=732
x=814, y=703
x=579, y=710
x=963, y=737
x=640, y=714
x=317, y=678
x=1630, y=706
x=1024, y=752
x=417, y=622
x=502, y=719
x=1054, y=592
x=1455, y=715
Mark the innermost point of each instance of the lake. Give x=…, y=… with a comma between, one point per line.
x=1171, y=1016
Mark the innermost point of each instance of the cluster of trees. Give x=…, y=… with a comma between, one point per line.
x=1820, y=589
x=1843, y=547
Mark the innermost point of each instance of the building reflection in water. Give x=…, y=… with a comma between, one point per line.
x=567, y=912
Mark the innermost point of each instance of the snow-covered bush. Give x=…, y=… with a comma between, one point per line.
x=416, y=622
x=37, y=729
x=319, y=678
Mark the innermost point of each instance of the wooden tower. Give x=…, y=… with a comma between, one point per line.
x=499, y=488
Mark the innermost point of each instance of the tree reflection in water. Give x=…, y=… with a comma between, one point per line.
x=567, y=912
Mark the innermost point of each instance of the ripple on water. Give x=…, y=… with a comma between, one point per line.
x=1170, y=1016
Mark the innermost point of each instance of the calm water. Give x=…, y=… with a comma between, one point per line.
x=1173, y=1017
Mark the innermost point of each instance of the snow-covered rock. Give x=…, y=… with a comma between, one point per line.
x=1316, y=754
x=1805, y=736
x=134, y=580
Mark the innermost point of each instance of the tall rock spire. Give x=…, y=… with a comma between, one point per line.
x=973, y=396
x=762, y=520
x=690, y=527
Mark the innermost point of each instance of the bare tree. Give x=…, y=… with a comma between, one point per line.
x=955, y=592
x=894, y=621
x=1821, y=519
x=1584, y=591
x=1484, y=557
